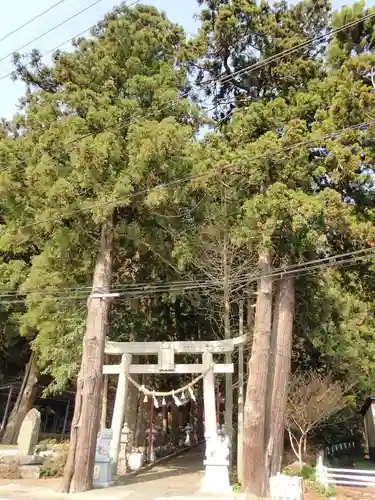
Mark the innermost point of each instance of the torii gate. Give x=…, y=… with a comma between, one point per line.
x=166, y=364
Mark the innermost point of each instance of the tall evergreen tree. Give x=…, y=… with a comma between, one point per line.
x=101, y=125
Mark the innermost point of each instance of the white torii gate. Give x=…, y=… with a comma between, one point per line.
x=166, y=364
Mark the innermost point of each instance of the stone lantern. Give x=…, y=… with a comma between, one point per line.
x=124, y=441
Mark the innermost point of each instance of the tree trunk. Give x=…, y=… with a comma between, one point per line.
x=175, y=424
x=282, y=333
x=199, y=404
x=228, y=356
x=79, y=470
x=165, y=423
x=133, y=407
x=24, y=403
x=143, y=415
x=103, y=418
x=254, y=473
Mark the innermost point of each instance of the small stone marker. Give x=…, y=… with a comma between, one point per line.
x=29, y=433
x=103, y=462
x=286, y=487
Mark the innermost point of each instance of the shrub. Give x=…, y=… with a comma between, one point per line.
x=54, y=466
x=10, y=470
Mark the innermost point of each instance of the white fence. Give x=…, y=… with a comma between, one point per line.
x=337, y=448
x=343, y=477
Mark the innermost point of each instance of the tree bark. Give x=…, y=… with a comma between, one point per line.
x=228, y=356
x=175, y=424
x=103, y=418
x=133, y=407
x=282, y=333
x=24, y=403
x=200, y=410
x=254, y=473
x=79, y=470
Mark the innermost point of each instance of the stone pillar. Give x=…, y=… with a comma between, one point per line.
x=119, y=409
x=216, y=475
x=209, y=399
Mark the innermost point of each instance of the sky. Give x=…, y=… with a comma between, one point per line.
x=18, y=12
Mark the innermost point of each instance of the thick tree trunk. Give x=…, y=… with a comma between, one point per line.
x=24, y=403
x=143, y=415
x=282, y=333
x=254, y=473
x=79, y=470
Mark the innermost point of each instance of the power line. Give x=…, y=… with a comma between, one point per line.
x=38, y=16
x=250, y=68
x=287, y=52
x=271, y=152
x=51, y=29
x=218, y=282
x=246, y=69
x=127, y=286
x=293, y=270
x=64, y=43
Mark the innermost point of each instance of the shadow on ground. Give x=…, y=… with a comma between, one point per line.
x=189, y=464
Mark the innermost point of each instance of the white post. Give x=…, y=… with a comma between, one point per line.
x=240, y=403
x=119, y=409
x=210, y=431
x=216, y=474
x=321, y=471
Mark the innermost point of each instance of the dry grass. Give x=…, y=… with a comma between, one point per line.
x=10, y=470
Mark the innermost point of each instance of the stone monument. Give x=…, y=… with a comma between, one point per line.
x=103, y=463
x=29, y=433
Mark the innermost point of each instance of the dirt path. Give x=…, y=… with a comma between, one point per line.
x=360, y=493
x=179, y=477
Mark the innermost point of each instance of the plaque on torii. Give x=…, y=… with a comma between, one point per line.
x=166, y=357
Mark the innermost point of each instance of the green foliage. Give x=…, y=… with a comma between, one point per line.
x=101, y=127
x=119, y=89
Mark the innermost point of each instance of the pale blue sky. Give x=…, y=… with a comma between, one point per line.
x=18, y=12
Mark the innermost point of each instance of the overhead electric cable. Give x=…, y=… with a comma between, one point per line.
x=246, y=69
x=287, y=52
x=49, y=52
x=218, y=79
x=191, y=178
x=51, y=29
x=294, y=270
x=38, y=16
